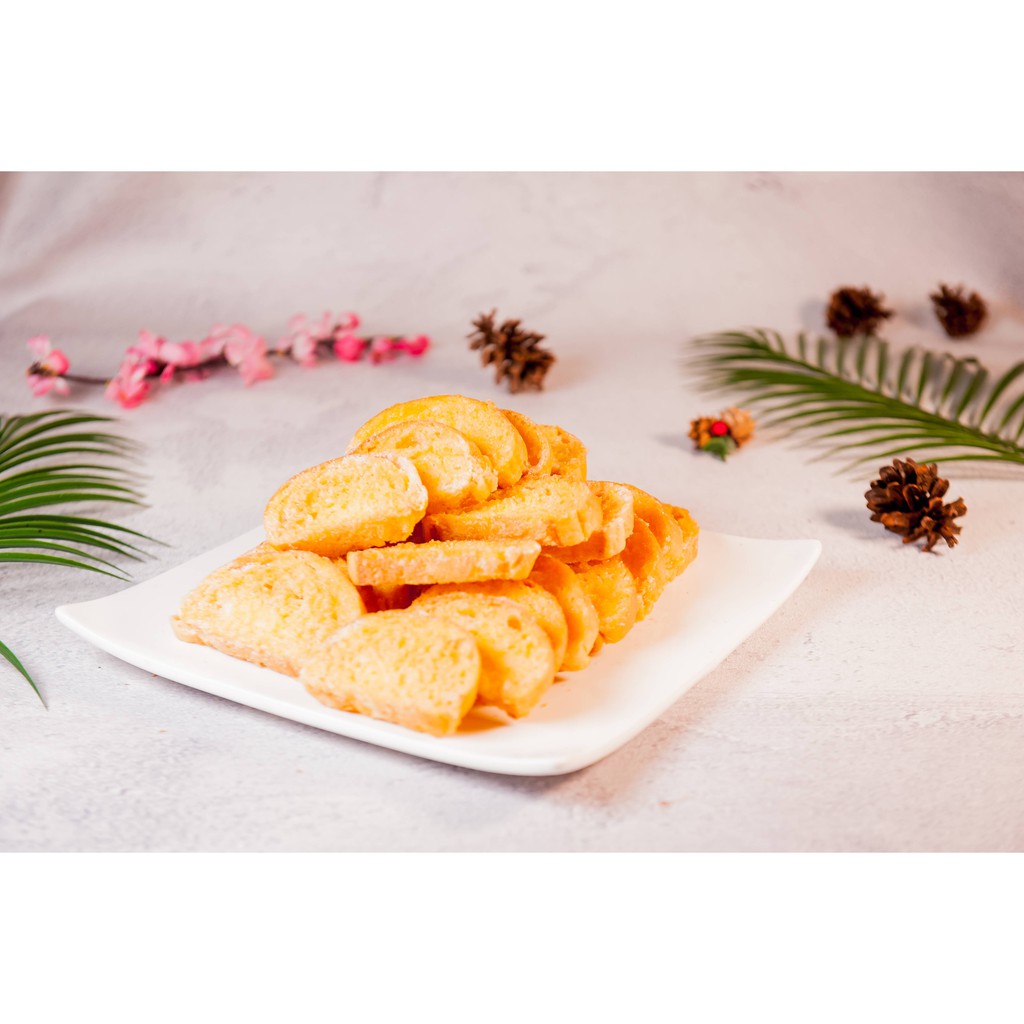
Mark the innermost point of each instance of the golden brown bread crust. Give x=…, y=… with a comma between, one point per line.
x=357, y=501
x=518, y=662
x=644, y=558
x=665, y=529
x=443, y=561
x=540, y=457
x=269, y=607
x=401, y=667
x=568, y=452
x=690, y=531
x=580, y=614
x=482, y=422
x=610, y=585
x=528, y=593
x=616, y=525
x=453, y=469
x=549, y=510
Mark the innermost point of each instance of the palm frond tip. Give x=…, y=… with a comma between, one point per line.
x=864, y=396
x=63, y=457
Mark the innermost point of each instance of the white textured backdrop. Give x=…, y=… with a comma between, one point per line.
x=881, y=709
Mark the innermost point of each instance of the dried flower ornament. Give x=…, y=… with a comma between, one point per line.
x=153, y=359
x=907, y=499
x=724, y=434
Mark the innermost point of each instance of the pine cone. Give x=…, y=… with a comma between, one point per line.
x=959, y=314
x=515, y=354
x=855, y=311
x=907, y=499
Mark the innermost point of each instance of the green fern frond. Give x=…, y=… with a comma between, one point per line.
x=57, y=458
x=860, y=395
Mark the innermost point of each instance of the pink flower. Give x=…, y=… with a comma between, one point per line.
x=130, y=386
x=382, y=349
x=247, y=352
x=181, y=353
x=414, y=346
x=301, y=341
x=41, y=384
x=346, y=322
x=47, y=372
x=148, y=346
x=348, y=347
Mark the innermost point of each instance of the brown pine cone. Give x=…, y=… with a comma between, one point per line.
x=514, y=353
x=907, y=499
x=853, y=311
x=959, y=314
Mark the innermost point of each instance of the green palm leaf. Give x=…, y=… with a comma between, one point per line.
x=858, y=396
x=57, y=458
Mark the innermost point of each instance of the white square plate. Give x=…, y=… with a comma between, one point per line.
x=734, y=585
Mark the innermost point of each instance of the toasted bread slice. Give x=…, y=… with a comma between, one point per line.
x=611, y=587
x=269, y=607
x=580, y=614
x=453, y=469
x=482, y=422
x=357, y=501
x=690, y=530
x=443, y=561
x=644, y=558
x=546, y=509
x=568, y=453
x=518, y=662
x=616, y=525
x=398, y=666
x=528, y=593
x=666, y=530
x=540, y=457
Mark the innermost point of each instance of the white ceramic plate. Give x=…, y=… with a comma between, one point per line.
x=734, y=585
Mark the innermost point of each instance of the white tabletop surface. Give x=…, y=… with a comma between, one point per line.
x=881, y=709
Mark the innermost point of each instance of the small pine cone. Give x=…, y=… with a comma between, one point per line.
x=514, y=353
x=853, y=311
x=700, y=430
x=959, y=314
x=907, y=499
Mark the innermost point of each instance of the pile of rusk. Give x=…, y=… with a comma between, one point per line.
x=457, y=554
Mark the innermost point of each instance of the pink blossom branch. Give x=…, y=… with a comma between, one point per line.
x=154, y=358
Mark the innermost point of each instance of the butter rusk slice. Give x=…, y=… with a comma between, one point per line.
x=398, y=666
x=528, y=593
x=644, y=558
x=568, y=452
x=666, y=530
x=443, y=561
x=269, y=607
x=518, y=662
x=616, y=525
x=547, y=509
x=611, y=587
x=482, y=422
x=453, y=469
x=357, y=501
x=540, y=457
x=691, y=533
x=580, y=614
